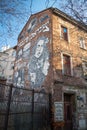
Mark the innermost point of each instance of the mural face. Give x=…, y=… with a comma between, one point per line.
x=39, y=62
x=39, y=48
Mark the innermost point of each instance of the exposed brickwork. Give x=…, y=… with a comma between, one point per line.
x=57, y=46
x=42, y=30
x=72, y=48
x=45, y=27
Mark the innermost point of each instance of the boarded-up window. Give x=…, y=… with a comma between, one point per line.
x=66, y=65
x=64, y=33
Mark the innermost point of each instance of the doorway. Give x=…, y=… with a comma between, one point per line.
x=69, y=100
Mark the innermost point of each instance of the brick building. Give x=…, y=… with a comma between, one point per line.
x=52, y=56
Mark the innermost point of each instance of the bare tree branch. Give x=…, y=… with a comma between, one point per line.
x=12, y=12
x=77, y=9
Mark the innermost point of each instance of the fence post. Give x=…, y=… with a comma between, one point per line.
x=32, y=112
x=8, y=108
x=50, y=111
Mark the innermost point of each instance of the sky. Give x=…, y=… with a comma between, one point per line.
x=15, y=13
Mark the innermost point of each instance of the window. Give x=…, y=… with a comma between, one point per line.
x=64, y=33
x=66, y=65
x=84, y=66
x=82, y=42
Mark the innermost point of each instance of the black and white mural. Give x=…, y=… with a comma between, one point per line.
x=26, y=51
x=32, y=24
x=39, y=62
x=33, y=54
x=19, y=54
x=19, y=78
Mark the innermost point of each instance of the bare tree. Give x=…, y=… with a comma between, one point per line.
x=13, y=14
x=77, y=9
x=10, y=9
x=18, y=10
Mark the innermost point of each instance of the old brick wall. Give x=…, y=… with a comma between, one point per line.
x=33, y=63
x=71, y=48
x=75, y=83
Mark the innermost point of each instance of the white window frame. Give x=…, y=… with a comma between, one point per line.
x=82, y=43
x=84, y=67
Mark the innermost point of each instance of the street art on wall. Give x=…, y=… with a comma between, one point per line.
x=1, y=70
x=18, y=64
x=33, y=54
x=43, y=28
x=39, y=62
x=81, y=100
x=19, y=78
x=23, y=42
x=43, y=18
x=32, y=24
x=19, y=54
x=26, y=51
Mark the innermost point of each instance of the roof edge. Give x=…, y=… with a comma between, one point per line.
x=69, y=18
x=61, y=14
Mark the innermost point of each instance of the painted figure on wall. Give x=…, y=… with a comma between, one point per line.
x=19, y=54
x=19, y=78
x=39, y=62
x=32, y=24
x=26, y=51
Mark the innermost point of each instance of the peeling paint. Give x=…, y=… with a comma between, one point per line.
x=39, y=62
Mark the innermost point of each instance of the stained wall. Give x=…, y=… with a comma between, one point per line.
x=33, y=62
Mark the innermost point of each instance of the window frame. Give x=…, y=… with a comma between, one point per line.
x=64, y=36
x=71, y=66
x=82, y=43
x=84, y=68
